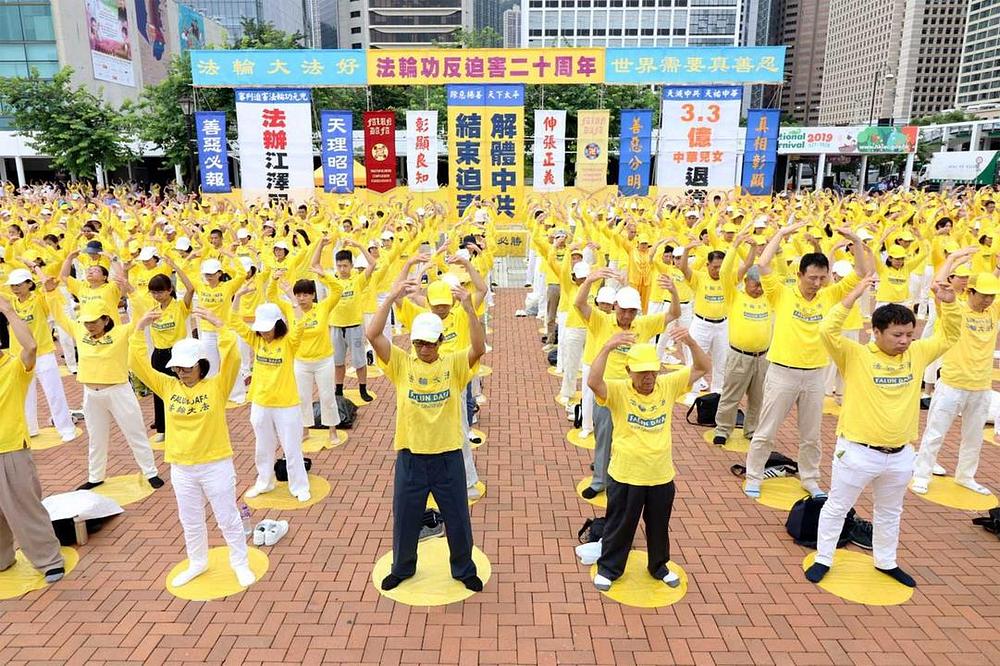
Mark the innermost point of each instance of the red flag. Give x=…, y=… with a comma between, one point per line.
x=380, y=149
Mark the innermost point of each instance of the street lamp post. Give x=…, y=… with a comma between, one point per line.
x=888, y=77
x=186, y=103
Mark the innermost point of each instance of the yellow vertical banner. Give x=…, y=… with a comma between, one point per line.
x=592, y=149
x=465, y=144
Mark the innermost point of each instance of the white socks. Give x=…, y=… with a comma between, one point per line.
x=189, y=574
x=245, y=576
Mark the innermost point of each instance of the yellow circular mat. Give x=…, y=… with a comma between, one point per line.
x=23, y=578
x=637, y=588
x=853, y=577
x=125, y=489
x=542, y=330
x=64, y=371
x=484, y=371
x=354, y=395
x=553, y=371
x=236, y=405
x=432, y=584
x=996, y=374
x=373, y=372
x=476, y=432
x=280, y=498
x=48, y=438
x=602, y=497
x=573, y=437
x=562, y=401
x=220, y=579
x=736, y=443
x=830, y=406
x=157, y=446
x=781, y=493
x=944, y=491
x=432, y=504
x=990, y=436
x=319, y=440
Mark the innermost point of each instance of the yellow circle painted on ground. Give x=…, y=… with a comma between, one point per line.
x=996, y=374
x=853, y=577
x=552, y=370
x=354, y=395
x=561, y=401
x=432, y=584
x=157, y=446
x=573, y=437
x=280, y=498
x=476, y=432
x=736, y=443
x=990, y=436
x=64, y=371
x=602, y=497
x=49, y=438
x=638, y=589
x=23, y=578
x=236, y=405
x=542, y=330
x=220, y=579
x=781, y=493
x=319, y=440
x=480, y=486
x=830, y=406
x=484, y=371
x=944, y=491
x=373, y=372
x=125, y=489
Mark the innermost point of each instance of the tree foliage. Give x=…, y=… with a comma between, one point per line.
x=73, y=126
x=943, y=118
x=263, y=35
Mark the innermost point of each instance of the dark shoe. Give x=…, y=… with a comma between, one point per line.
x=371, y=358
x=365, y=395
x=156, y=482
x=589, y=493
x=431, y=532
x=54, y=575
x=899, y=575
x=925, y=403
x=90, y=485
x=861, y=534
x=391, y=582
x=473, y=583
x=719, y=441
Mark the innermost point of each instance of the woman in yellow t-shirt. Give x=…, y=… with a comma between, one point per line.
x=641, y=473
x=198, y=447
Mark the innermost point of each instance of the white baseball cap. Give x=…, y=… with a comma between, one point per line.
x=606, y=295
x=265, y=317
x=427, y=327
x=420, y=211
x=387, y=235
x=760, y=221
x=481, y=215
x=242, y=233
x=678, y=252
x=359, y=261
x=281, y=245
x=183, y=243
x=169, y=229
x=186, y=353
x=464, y=254
x=581, y=269
x=691, y=213
x=451, y=280
x=628, y=298
x=18, y=275
x=865, y=235
x=247, y=263
x=843, y=268
x=147, y=253
x=211, y=266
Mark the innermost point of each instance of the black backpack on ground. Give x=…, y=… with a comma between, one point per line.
x=348, y=413
x=775, y=461
x=578, y=416
x=592, y=530
x=706, y=406
x=553, y=357
x=281, y=468
x=803, y=522
x=990, y=523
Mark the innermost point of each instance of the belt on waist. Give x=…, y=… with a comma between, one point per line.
x=746, y=353
x=680, y=302
x=792, y=367
x=710, y=321
x=880, y=449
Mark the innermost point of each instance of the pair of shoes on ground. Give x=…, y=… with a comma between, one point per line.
x=921, y=486
x=155, y=481
x=604, y=584
x=244, y=575
x=269, y=532
x=259, y=489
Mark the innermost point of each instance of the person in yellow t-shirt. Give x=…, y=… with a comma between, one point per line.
x=198, y=447
x=641, y=473
x=428, y=437
x=96, y=287
x=347, y=318
x=878, y=421
x=21, y=509
x=964, y=387
x=853, y=326
x=709, y=328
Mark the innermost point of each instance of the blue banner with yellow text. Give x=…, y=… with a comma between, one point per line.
x=213, y=162
x=760, y=151
x=636, y=151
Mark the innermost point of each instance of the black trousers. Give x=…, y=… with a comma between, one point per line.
x=4, y=332
x=418, y=475
x=159, y=360
x=625, y=504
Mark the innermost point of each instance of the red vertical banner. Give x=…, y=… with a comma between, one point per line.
x=380, y=149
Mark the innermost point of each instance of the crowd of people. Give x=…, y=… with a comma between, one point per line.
x=646, y=303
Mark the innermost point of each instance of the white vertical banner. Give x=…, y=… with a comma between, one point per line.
x=421, y=151
x=276, y=144
x=550, y=151
x=699, y=137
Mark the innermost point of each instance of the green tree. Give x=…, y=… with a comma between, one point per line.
x=943, y=118
x=263, y=35
x=485, y=38
x=77, y=129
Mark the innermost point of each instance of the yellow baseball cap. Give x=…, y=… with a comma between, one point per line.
x=962, y=271
x=897, y=252
x=642, y=358
x=439, y=293
x=92, y=311
x=729, y=228
x=985, y=283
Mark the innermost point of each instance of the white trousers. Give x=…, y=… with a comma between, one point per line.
x=68, y=345
x=571, y=343
x=561, y=318
x=834, y=383
x=215, y=482
x=118, y=403
x=713, y=338
x=663, y=346
x=947, y=403
x=587, y=402
x=271, y=426
x=47, y=374
x=854, y=468
x=319, y=373
x=471, y=473
x=210, y=341
x=931, y=373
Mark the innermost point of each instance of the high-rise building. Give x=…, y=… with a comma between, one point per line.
x=512, y=27
x=328, y=15
x=487, y=14
x=762, y=26
x=804, y=27
x=630, y=23
x=891, y=59
x=979, y=72
x=285, y=15
x=382, y=24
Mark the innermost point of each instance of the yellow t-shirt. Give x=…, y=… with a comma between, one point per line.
x=349, y=311
x=197, y=431
x=171, y=326
x=750, y=319
x=14, y=381
x=658, y=293
x=641, y=446
x=314, y=327
x=969, y=364
x=429, y=400
x=102, y=360
x=108, y=294
x=273, y=383
x=218, y=299
x=893, y=284
x=455, y=326
x=796, y=341
x=881, y=392
x=709, y=296
x=601, y=326
x=35, y=313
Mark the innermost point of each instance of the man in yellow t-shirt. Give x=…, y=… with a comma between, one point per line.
x=21, y=510
x=428, y=435
x=641, y=474
x=709, y=327
x=878, y=421
x=965, y=387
